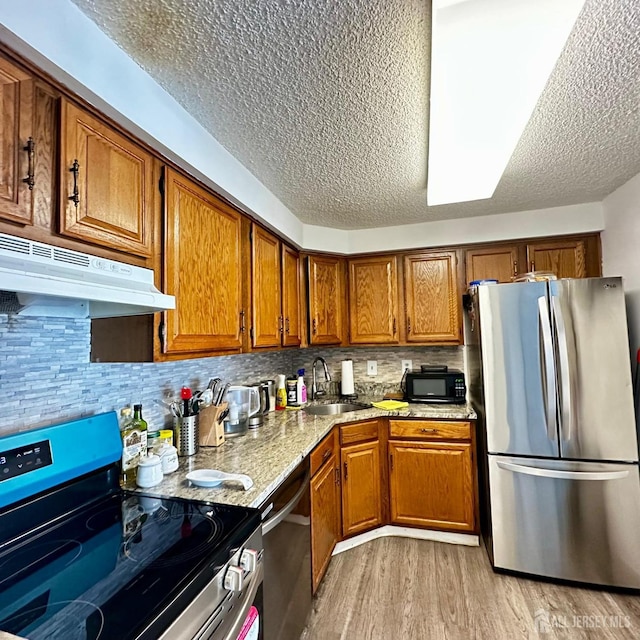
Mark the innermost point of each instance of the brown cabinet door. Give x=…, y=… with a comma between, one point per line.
x=431, y=297
x=265, y=279
x=202, y=268
x=291, y=297
x=106, y=198
x=373, y=300
x=326, y=300
x=565, y=259
x=325, y=517
x=361, y=487
x=492, y=263
x=431, y=485
x=17, y=155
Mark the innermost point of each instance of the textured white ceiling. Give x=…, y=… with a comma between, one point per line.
x=326, y=101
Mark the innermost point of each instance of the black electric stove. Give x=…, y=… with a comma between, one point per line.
x=85, y=559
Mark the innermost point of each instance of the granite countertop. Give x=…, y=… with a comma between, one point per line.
x=271, y=452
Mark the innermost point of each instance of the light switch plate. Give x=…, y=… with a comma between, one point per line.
x=372, y=367
x=407, y=364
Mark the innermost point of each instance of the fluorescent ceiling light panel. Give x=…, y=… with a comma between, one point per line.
x=490, y=61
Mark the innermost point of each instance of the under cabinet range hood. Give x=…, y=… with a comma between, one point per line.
x=56, y=282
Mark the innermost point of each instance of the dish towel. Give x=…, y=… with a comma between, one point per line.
x=390, y=405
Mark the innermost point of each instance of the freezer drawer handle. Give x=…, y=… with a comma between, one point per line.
x=550, y=400
x=275, y=520
x=563, y=475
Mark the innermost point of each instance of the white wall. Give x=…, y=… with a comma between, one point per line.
x=60, y=39
x=621, y=249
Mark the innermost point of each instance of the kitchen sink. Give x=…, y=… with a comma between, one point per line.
x=336, y=407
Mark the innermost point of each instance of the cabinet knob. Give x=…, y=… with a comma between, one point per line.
x=345, y=471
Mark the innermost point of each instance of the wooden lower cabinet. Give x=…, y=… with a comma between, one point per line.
x=432, y=485
x=361, y=487
x=325, y=516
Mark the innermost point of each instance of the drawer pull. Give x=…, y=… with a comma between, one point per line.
x=326, y=454
x=423, y=430
x=345, y=471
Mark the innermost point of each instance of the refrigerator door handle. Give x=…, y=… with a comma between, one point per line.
x=550, y=397
x=563, y=475
x=564, y=377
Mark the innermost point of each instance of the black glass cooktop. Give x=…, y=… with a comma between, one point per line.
x=121, y=567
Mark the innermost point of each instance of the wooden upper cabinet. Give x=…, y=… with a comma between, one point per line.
x=431, y=297
x=106, y=190
x=202, y=268
x=265, y=279
x=492, y=263
x=291, y=336
x=326, y=300
x=17, y=145
x=564, y=258
x=373, y=300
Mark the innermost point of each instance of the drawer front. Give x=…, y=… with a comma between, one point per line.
x=430, y=429
x=323, y=451
x=359, y=432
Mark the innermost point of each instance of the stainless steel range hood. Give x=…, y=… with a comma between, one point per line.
x=51, y=281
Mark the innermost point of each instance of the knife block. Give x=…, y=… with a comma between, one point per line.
x=211, y=430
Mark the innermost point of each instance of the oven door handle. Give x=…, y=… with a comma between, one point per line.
x=236, y=626
x=276, y=519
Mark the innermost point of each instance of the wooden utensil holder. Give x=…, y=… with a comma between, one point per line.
x=211, y=430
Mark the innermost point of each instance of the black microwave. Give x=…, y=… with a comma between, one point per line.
x=433, y=384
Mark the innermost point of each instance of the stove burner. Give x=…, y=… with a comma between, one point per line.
x=192, y=534
x=103, y=519
x=29, y=556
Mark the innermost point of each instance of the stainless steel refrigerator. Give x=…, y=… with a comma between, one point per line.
x=549, y=371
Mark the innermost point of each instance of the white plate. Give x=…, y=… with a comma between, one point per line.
x=212, y=478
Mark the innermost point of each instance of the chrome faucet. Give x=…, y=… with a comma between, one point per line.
x=315, y=392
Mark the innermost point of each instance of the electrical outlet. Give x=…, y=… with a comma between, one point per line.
x=407, y=364
x=372, y=367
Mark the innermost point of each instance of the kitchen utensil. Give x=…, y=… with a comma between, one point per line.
x=186, y=395
x=186, y=435
x=203, y=398
x=149, y=471
x=213, y=477
x=221, y=393
x=263, y=393
x=211, y=428
x=213, y=383
x=244, y=402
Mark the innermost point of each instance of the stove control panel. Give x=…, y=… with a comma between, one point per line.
x=15, y=462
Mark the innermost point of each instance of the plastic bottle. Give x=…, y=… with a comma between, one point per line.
x=292, y=390
x=281, y=393
x=301, y=388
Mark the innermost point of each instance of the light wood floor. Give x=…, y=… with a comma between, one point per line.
x=403, y=589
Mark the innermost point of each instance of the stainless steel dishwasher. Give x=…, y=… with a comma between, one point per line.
x=286, y=535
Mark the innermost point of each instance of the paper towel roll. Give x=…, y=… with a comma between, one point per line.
x=347, y=378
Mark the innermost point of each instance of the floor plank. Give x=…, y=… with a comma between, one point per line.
x=400, y=588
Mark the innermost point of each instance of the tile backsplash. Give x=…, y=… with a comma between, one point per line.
x=46, y=376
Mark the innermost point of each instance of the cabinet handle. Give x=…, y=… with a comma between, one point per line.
x=242, y=321
x=75, y=197
x=408, y=324
x=391, y=461
x=515, y=267
x=281, y=324
x=337, y=470
x=30, y=148
x=287, y=325
x=394, y=325
x=532, y=266
x=314, y=326
x=428, y=430
x=345, y=471
x=326, y=454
